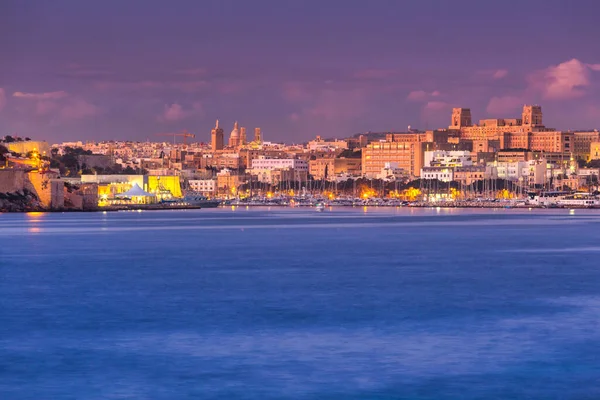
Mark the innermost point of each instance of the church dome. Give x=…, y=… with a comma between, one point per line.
x=235, y=132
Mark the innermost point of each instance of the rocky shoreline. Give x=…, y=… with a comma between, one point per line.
x=22, y=201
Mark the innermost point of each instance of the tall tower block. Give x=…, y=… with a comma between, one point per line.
x=216, y=137
x=243, y=141
x=461, y=117
x=257, y=135
x=532, y=116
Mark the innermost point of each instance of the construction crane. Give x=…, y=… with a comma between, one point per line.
x=185, y=135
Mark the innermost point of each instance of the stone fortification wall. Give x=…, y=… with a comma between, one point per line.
x=12, y=181
x=73, y=200
x=25, y=147
x=49, y=190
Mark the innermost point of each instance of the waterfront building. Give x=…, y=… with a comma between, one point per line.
x=511, y=155
x=224, y=159
x=329, y=168
x=263, y=163
x=443, y=158
x=532, y=172
x=530, y=121
x=407, y=150
x=473, y=173
x=207, y=187
x=444, y=174
x=216, y=136
x=550, y=141
x=392, y=172
x=595, y=151
x=527, y=132
x=357, y=142
x=589, y=173
x=319, y=144
x=111, y=185
x=279, y=175
x=582, y=143
x=228, y=181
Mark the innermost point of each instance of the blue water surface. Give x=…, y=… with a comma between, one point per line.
x=293, y=304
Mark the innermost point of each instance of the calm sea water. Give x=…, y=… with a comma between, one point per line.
x=294, y=304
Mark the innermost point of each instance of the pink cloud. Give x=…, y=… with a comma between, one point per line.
x=175, y=112
x=78, y=109
x=421, y=95
x=45, y=107
x=435, y=105
x=2, y=99
x=504, y=104
x=41, y=96
x=295, y=117
x=295, y=91
x=499, y=73
x=417, y=95
x=493, y=73
x=563, y=81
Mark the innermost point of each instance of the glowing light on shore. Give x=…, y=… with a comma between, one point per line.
x=35, y=215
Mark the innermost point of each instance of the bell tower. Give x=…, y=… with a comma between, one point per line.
x=532, y=116
x=461, y=117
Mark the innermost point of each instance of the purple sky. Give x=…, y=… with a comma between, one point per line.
x=72, y=69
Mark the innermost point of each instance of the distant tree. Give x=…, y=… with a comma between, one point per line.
x=9, y=139
x=3, y=151
x=54, y=163
x=350, y=154
x=27, y=139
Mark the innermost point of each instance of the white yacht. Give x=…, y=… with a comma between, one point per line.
x=579, y=200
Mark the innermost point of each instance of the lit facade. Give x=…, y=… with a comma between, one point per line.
x=406, y=150
x=444, y=174
x=279, y=163
x=329, y=168
x=442, y=158
x=582, y=143
x=207, y=187
x=470, y=174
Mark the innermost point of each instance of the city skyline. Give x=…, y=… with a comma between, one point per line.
x=129, y=71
